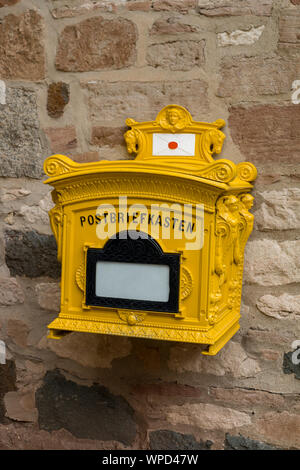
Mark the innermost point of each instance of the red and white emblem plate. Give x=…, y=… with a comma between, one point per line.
x=173, y=144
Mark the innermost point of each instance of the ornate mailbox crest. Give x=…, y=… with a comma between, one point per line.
x=153, y=247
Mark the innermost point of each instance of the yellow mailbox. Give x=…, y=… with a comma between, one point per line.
x=153, y=247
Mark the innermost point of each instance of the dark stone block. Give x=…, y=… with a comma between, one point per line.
x=289, y=367
x=31, y=254
x=58, y=98
x=243, y=443
x=87, y=412
x=169, y=440
x=7, y=384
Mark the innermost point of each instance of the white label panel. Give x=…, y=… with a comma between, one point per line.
x=137, y=281
x=173, y=144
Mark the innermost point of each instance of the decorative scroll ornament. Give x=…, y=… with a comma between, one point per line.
x=222, y=170
x=54, y=166
x=186, y=283
x=80, y=277
x=246, y=171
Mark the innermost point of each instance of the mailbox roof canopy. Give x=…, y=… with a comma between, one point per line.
x=174, y=145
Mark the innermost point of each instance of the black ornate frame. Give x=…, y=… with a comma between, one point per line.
x=127, y=248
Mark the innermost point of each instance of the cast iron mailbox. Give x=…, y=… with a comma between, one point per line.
x=153, y=247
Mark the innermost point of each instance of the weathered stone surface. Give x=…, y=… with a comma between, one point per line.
x=4, y=3
x=31, y=254
x=62, y=140
x=289, y=25
x=256, y=339
x=20, y=406
x=270, y=355
x=17, y=436
x=268, y=136
x=171, y=26
x=176, y=55
x=180, y=6
x=21, y=47
x=11, y=194
x=116, y=101
x=248, y=77
x=150, y=357
x=235, y=7
x=2, y=351
x=4, y=272
x=86, y=157
x=74, y=8
x=57, y=98
x=108, y=136
x=20, y=143
x=152, y=400
x=280, y=210
x=87, y=412
x=231, y=360
x=272, y=263
x=37, y=214
x=244, y=443
x=291, y=363
x=71, y=9
x=285, y=306
x=2, y=92
x=168, y=390
x=279, y=429
x=26, y=215
x=36, y=370
x=96, y=44
x=9, y=219
x=114, y=153
x=7, y=384
x=136, y=5
x=207, y=416
x=295, y=2
x=240, y=37
x=169, y=440
x=266, y=180
x=91, y=350
x=48, y=295
x=245, y=398
x=18, y=331
x=10, y=292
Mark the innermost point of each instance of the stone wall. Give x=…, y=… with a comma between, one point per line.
x=71, y=72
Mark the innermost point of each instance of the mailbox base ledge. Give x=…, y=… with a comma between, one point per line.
x=215, y=348
x=57, y=334
x=214, y=338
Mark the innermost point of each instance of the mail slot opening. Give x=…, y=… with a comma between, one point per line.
x=133, y=273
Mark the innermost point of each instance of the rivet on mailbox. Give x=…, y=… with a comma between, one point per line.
x=153, y=247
